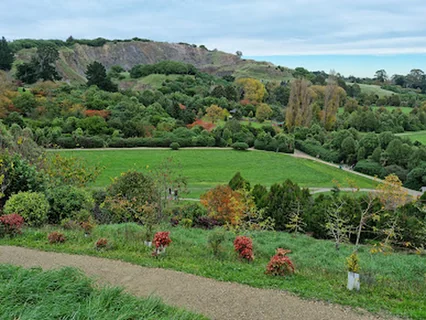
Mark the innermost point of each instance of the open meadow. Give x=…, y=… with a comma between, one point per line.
x=207, y=168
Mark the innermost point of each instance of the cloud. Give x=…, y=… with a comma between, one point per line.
x=269, y=27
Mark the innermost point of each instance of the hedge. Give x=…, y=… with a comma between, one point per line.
x=317, y=150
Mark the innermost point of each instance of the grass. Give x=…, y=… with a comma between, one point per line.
x=66, y=293
x=405, y=110
x=375, y=89
x=415, y=136
x=393, y=283
x=207, y=168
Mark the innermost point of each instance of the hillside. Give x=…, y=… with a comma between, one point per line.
x=74, y=60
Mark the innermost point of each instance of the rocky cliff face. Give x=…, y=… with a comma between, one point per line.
x=73, y=61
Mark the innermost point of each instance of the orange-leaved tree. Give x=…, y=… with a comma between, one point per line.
x=224, y=204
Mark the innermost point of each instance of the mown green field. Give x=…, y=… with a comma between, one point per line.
x=415, y=136
x=207, y=168
x=392, y=283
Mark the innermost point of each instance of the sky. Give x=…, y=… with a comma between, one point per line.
x=354, y=37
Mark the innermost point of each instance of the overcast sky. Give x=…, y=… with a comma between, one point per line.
x=257, y=28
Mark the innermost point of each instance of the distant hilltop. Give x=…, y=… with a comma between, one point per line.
x=76, y=56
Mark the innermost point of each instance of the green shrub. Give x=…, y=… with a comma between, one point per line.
x=186, y=223
x=175, y=145
x=215, y=240
x=68, y=202
x=32, y=206
x=240, y=146
x=315, y=150
x=371, y=168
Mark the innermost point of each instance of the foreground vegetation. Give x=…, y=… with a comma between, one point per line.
x=208, y=168
x=393, y=283
x=67, y=294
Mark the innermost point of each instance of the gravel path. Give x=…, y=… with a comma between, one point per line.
x=215, y=299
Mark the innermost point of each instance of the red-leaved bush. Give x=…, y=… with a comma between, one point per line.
x=244, y=246
x=11, y=224
x=56, y=237
x=162, y=239
x=102, y=243
x=280, y=264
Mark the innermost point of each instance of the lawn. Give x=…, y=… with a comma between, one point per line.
x=207, y=168
x=33, y=294
x=394, y=283
x=415, y=136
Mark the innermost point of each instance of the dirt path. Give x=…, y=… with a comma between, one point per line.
x=300, y=154
x=215, y=299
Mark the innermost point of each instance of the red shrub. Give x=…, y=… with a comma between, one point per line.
x=205, y=125
x=11, y=224
x=101, y=113
x=244, y=247
x=102, y=243
x=56, y=237
x=162, y=239
x=280, y=264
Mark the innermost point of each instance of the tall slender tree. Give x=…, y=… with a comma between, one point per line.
x=299, y=108
x=6, y=55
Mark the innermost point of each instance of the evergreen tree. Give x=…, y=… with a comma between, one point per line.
x=96, y=75
x=6, y=55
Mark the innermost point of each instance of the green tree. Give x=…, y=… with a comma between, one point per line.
x=263, y=112
x=238, y=182
x=96, y=75
x=381, y=75
x=42, y=65
x=6, y=55
x=45, y=61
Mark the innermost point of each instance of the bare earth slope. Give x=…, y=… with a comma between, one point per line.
x=217, y=300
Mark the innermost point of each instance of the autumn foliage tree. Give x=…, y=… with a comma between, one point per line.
x=253, y=89
x=299, y=108
x=333, y=98
x=224, y=204
x=214, y=113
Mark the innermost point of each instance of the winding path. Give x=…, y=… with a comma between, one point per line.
x=215, y=299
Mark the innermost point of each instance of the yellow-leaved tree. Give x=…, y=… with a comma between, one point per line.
x=253, y=89
x=214, y=113
x=299, y=108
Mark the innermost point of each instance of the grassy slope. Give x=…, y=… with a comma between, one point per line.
x=68, y=294
x=370, y=88
x=208, y=168
x=394, y=283
x=415, y=136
